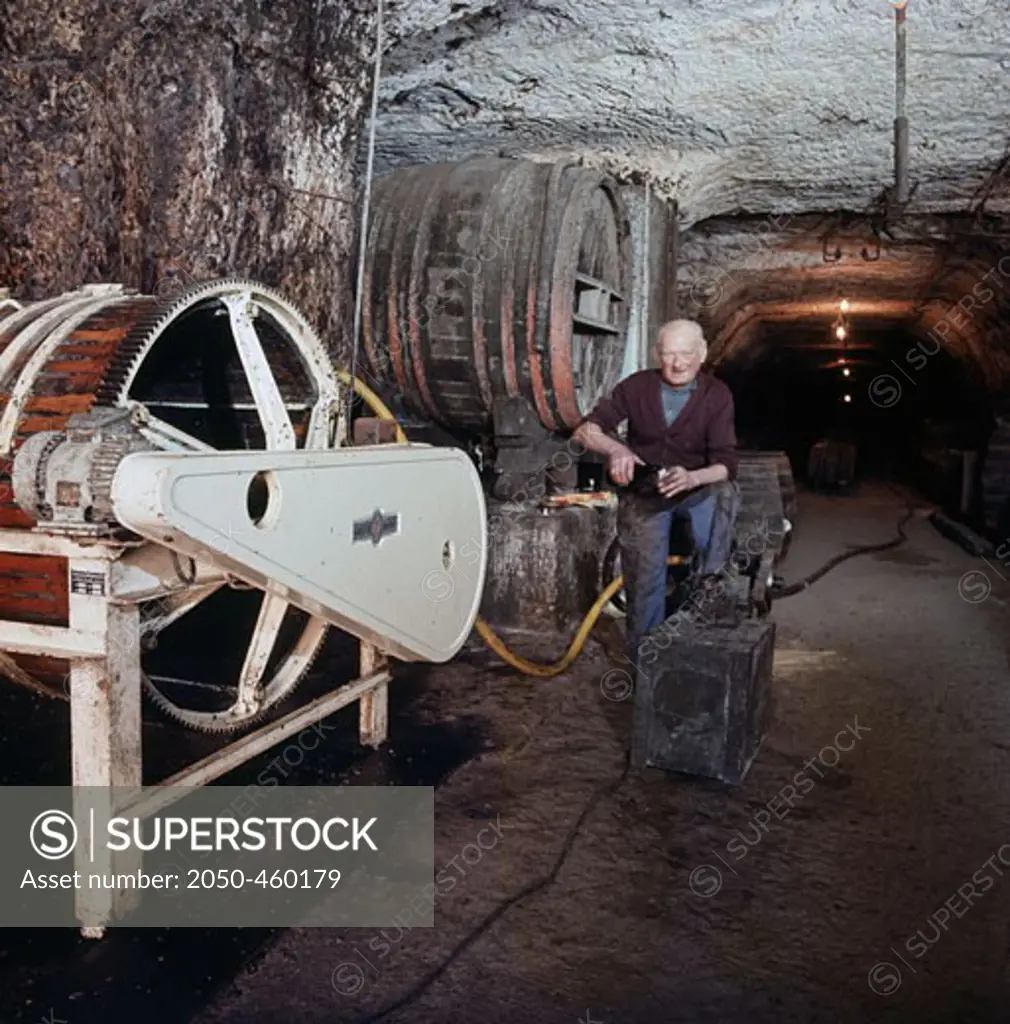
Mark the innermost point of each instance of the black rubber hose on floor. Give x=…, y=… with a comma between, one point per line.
x=618, y=600
x=808, y=581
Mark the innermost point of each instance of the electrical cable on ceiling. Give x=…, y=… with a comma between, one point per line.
x=358, y=297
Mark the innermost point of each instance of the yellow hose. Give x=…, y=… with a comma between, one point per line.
x=372, y=400
x=487, y=634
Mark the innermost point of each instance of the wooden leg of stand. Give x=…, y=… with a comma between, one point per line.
x=373, y=719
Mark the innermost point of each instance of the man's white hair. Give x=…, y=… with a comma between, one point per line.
x=689, y=329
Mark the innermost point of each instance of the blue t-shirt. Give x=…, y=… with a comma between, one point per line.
x=674, y=400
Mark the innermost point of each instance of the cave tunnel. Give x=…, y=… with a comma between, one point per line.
x=884, y=389
x=898, y=352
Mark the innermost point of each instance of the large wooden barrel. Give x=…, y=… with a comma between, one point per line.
x=495, y=279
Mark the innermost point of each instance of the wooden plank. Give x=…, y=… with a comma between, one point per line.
x=595, y=325
x=592, y=282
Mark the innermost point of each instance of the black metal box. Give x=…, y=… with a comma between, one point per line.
x=703, y=697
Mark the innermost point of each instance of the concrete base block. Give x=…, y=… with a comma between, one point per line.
x=544, y=565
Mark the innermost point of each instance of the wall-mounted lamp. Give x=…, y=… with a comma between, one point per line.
x=844, y=305
x=846, y=372
x=846, y=398
x=841, y=332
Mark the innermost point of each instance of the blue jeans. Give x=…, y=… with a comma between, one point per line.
x=644, y=523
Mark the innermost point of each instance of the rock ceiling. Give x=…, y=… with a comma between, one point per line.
x=743, y=110
x=727, y=105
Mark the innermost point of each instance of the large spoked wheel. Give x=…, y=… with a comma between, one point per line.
x=227, y=366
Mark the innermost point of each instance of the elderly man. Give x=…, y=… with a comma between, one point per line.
x=681, y=421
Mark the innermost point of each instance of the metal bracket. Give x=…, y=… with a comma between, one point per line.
x=866, y=253
x=524, y=450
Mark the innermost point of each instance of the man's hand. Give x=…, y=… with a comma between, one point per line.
x=676, y=480
x=621, y=466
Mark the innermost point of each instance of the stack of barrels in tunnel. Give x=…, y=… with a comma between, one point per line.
x=497, y=281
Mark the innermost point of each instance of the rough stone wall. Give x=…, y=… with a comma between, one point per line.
x=158, y=143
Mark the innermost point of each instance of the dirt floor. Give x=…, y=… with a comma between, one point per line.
x=861, y=872
x=686, y=901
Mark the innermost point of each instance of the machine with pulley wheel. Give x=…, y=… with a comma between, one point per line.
x=171, y=458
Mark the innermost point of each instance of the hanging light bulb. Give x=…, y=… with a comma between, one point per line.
x=846, y=372
x=846, y=398
x=844, y=305
x=841, y=332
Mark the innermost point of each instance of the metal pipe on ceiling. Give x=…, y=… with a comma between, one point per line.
x=901, y=188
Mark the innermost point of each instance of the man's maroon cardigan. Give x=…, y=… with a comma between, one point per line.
x=702, y=435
